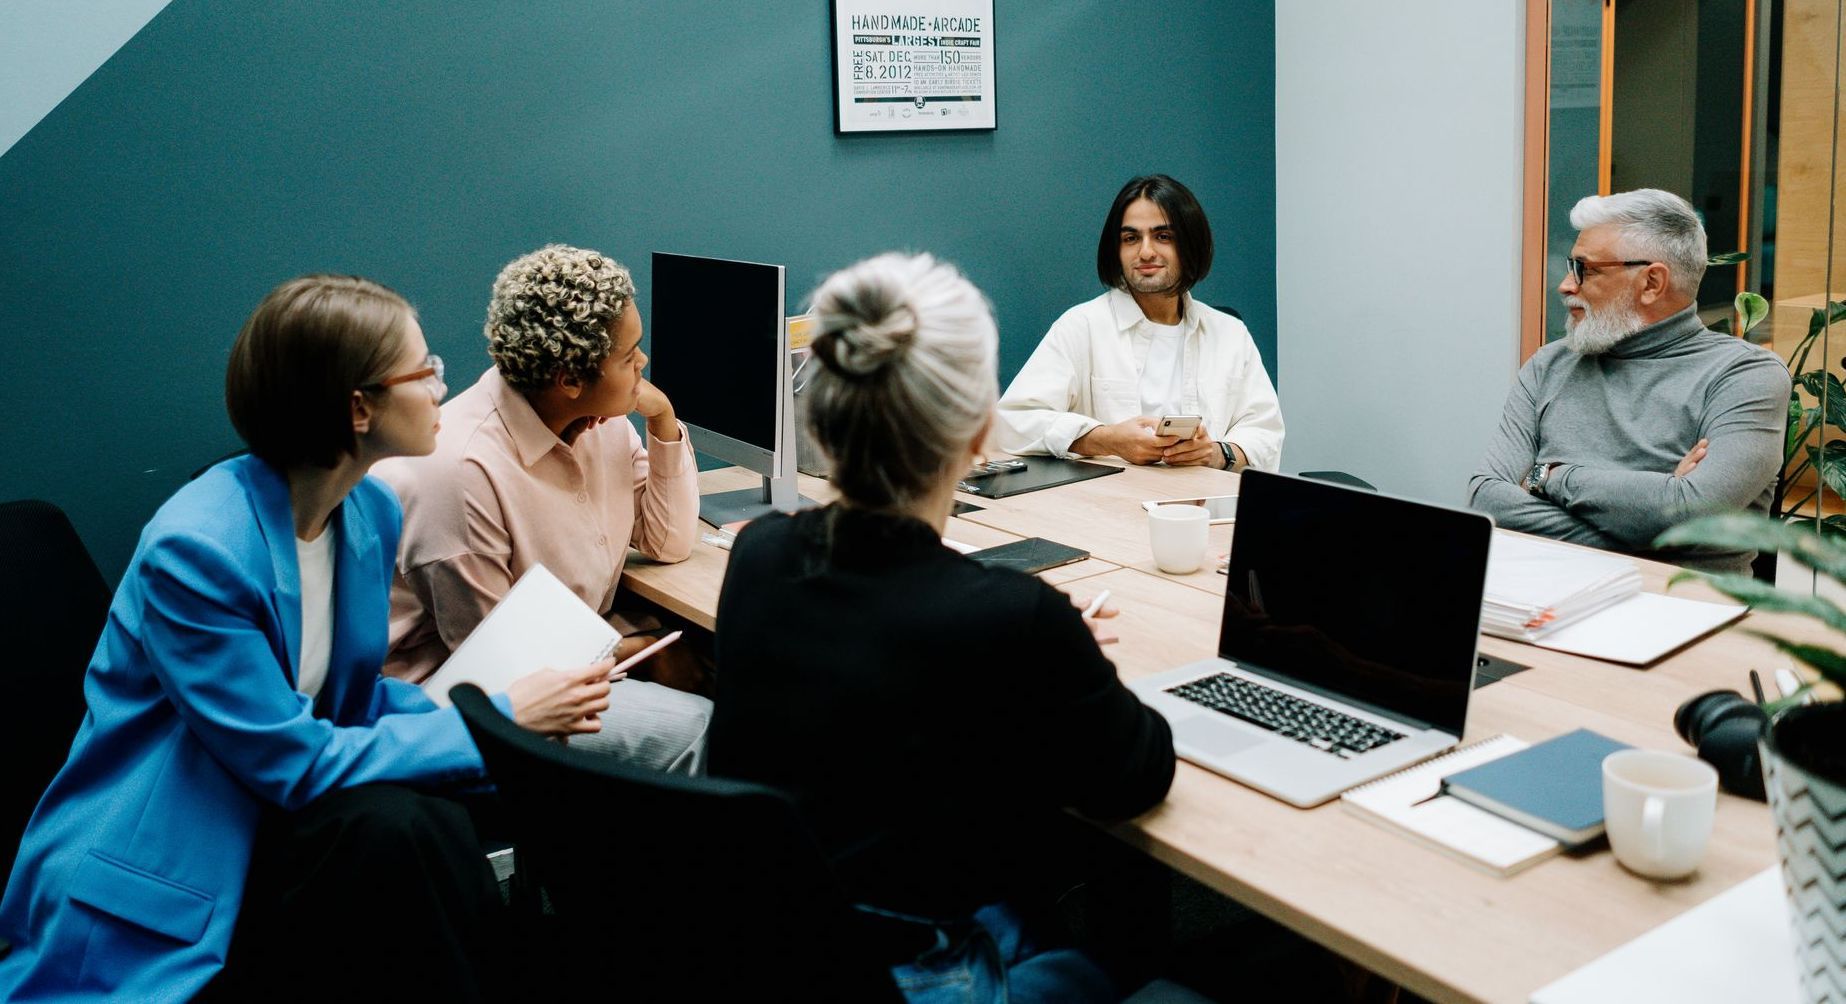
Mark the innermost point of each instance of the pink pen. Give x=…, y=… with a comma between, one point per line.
x=623, y=666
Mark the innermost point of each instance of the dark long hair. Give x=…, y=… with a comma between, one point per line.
x=1191, y=231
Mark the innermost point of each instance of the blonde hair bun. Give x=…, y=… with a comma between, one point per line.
x=862, y=335
x=906, y=377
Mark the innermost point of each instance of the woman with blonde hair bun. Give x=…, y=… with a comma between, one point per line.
x=934, y=717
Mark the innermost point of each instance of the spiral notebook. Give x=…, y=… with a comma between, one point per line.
x=1411, y=802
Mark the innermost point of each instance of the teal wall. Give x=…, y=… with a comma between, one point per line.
x=229, y=146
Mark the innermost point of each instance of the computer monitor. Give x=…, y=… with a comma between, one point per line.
x=720, y=354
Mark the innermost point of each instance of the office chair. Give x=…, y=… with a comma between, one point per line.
x=637, y=885
x=53, y=602
x=1340, y=478
x=194, y=476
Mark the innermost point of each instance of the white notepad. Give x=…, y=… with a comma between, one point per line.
x=1736, y=946
x=1642, y=628
x=538, y=623
x=1408, y=802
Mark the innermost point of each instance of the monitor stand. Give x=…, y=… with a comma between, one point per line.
x=774, y=495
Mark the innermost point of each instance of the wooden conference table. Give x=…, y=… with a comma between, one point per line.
x=1424, y=920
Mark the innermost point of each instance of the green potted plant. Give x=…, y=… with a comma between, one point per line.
x=1826, y=458
x=1804, y=745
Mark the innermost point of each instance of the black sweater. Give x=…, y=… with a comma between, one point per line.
x=928, y=713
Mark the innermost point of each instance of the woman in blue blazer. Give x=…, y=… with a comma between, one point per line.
x=241, y=752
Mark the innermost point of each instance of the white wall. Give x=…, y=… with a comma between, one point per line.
x=1398, y=208
x=48, y=47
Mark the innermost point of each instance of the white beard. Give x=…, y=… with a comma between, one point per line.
x=1598, y=331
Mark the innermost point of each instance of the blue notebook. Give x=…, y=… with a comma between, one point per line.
x=1554, y=787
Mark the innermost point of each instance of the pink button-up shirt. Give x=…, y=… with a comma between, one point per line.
x=502, y=493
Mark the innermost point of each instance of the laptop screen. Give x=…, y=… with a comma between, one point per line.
x=1363, y=597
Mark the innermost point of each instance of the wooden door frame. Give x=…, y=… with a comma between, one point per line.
x=1534, y=283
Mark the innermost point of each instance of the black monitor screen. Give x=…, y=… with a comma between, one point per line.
x=716, y=335
x=1364, y=597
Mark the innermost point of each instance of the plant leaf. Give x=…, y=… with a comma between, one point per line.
x=1797, y=429
x=1831, y=664
x=1761, y=595
x=1831, y=459
x=1834, y=313
x=1752, y=308
x=1728, y=258
x=1829, y=391
x=1817, y=321
x=1745, y=529
x=1831, y=524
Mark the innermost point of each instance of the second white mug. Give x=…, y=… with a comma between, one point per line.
x=1179, y=534
x=1658, y=808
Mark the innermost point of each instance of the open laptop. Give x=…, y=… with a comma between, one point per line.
x=1347, y=649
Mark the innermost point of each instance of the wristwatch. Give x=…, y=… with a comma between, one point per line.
x=1230, y=456
x=1536, y=478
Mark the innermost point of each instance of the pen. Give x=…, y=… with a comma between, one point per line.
x=720, y=539
x=622, y=667
x=1096, y=604
x=1756, y=684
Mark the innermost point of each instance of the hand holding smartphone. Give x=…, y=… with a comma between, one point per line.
x=1183, y=426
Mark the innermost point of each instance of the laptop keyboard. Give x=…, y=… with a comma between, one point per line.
x=1288, y=716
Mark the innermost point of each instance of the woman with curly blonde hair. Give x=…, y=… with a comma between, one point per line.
x=529, y=470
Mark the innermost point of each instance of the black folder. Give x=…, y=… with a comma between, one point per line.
x=1040, y=472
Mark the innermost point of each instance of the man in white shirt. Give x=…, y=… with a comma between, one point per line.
x=1111, y=368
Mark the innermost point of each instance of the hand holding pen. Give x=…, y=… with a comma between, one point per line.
x=1099, y=608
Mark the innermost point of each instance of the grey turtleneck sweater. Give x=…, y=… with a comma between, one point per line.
x=1620, y=422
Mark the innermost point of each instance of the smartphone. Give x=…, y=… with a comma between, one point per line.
x=993, y=467
x=1223, y=508
x=1031, y=556
x=1183, y=426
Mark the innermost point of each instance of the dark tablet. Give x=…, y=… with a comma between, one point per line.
x=1032, y=555
x=1040, y=472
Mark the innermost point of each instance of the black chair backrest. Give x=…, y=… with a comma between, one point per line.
x=53, y=602
x=1340, y=478
x=1265, y=344
x=668, y=887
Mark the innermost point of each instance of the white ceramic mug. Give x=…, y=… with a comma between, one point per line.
x=1180, y=534
x=1658, y=808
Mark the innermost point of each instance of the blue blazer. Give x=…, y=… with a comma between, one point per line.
x=130, y=875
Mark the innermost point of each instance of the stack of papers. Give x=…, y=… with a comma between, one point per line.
x=1535, y=587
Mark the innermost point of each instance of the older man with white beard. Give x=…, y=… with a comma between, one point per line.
x=1641, y=416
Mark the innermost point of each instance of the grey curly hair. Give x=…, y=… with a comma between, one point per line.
x=552, y=312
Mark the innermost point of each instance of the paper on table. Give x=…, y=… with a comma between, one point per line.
x=1735, y=946
x=1642, y=628
x=538, y=623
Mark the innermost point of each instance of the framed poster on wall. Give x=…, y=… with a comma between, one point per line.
x=913, y=65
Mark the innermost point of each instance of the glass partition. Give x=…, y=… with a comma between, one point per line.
x=1803, y=261
x=1737, y=105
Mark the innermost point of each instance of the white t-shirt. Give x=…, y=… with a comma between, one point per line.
x=316, y=558
x=1163, y=384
